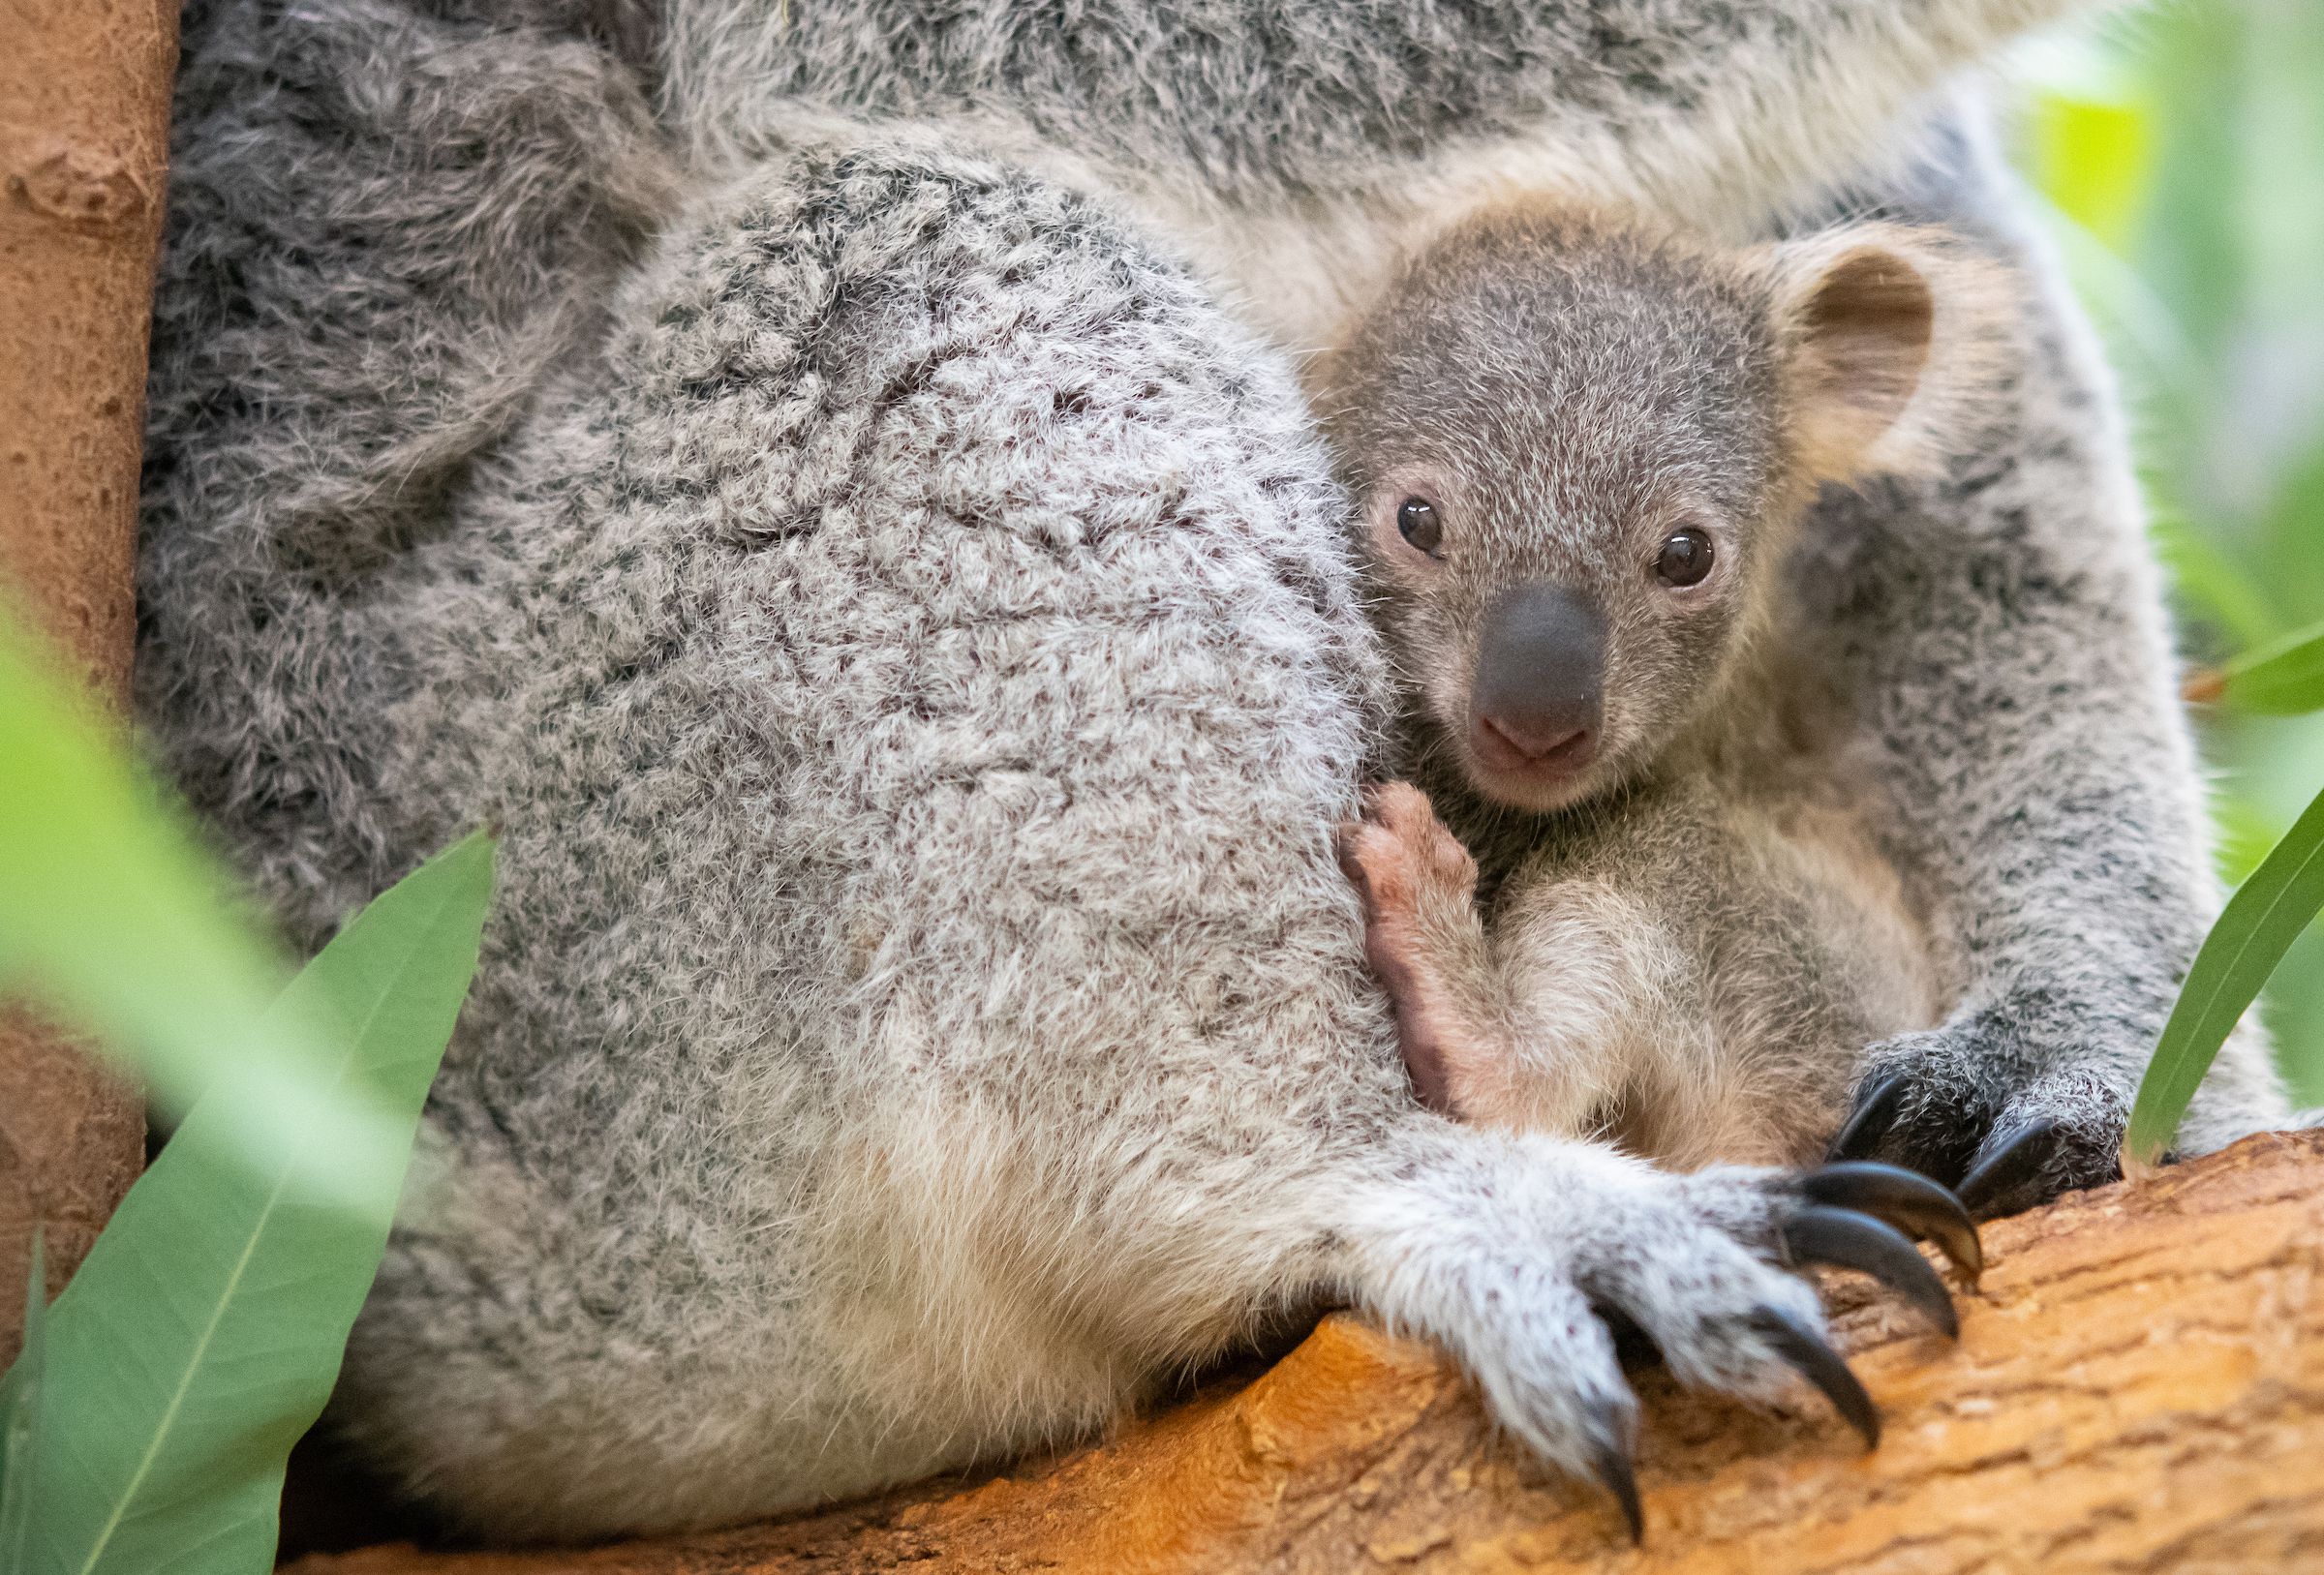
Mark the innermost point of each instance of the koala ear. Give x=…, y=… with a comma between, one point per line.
x=1889, y=336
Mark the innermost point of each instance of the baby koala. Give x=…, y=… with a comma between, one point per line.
x=1581, y=448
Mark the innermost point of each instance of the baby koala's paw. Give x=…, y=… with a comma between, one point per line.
x=1402, y=860
x=1419, y=887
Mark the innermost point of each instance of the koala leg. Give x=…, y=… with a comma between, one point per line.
x=386, y=229
x=2003, y=627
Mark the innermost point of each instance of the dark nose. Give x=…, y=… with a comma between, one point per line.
x=1541, y=671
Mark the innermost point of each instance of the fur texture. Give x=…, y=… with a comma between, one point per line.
x=903, y=626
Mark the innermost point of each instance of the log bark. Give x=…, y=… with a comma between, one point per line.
x=2139, y=1385
x=84, y=113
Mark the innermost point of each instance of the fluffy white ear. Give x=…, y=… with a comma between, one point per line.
x=1893, y=335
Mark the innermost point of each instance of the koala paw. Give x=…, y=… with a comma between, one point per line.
x=1415, y=879
x=1705, y=1267
x=2006, y=1132
x=1401, y=859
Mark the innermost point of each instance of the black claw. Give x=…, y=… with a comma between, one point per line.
x=1816, y=1362
x=1875, y=1113
x=1905, y=1200
x=2005, y=1168
x=1849, y=1240
x=1612, y=1462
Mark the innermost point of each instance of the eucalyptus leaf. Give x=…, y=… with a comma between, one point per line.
x=111, y=913
x=204, y=1334
x=19, y=1399
x=2262, y=920
x=2212, y=588
x=2285, y=679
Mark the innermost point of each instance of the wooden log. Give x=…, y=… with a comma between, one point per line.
x=85, y=114
x=2139, y=1385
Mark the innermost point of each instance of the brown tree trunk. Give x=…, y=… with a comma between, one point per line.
x=2139, y=1386
x=85, y=114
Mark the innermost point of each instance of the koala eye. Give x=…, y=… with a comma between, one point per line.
x=1417, y=524
x=1685, y=558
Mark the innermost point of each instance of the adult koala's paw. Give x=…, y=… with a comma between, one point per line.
x=1968, y=1106
x=1706, y=1268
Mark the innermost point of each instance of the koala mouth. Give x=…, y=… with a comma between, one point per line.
x=1527, y=770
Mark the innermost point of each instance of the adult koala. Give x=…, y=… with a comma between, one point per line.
x=900, y=618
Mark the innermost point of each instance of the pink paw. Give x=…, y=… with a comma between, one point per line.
x=1404, y=863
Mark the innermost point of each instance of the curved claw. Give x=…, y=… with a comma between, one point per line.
x=2006, y=1166
x=1805, y=1351
x=1905, y=1200
x=1849, y=1240
x=1612, y=1460
x=1875, y=1113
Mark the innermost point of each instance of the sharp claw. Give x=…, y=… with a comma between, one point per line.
x=2005, y=1166
x=1610, y=1456
x=1905, y=1200
x=1613, y=1469
x=1805, y=1351
x=1849, y=1240
x=1875, y=1113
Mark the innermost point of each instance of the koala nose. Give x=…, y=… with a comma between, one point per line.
x=1541, y=671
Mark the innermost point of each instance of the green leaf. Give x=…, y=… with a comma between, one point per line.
x=2262, y=920
x=2247, y=836
x=2292, y=530
x=19, y=1396
x=2210, y=585
x=112, y=915
x=2093, y=158
x=204, y=1334
x=2285, y=679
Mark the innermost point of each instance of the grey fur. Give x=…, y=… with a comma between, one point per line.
x=2003, y=630
x=904, y=630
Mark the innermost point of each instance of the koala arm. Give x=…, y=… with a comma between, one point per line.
x=1459, y=1007
x=1525, y=1028
x=1710, y=112
x=2002, y=627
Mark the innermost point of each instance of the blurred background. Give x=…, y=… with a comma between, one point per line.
x=2181, y=154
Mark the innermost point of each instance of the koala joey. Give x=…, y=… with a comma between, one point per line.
x=1582, y=447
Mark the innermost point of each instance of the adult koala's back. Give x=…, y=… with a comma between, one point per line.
x=901, y=629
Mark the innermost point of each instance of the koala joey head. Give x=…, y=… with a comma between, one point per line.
x=1577, y=444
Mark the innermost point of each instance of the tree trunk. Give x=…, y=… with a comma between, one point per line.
x=84, y=117
x=2139, y=1386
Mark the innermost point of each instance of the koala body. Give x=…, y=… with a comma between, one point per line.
x=878, y=568
x=1292, y=155
x=1582, y=450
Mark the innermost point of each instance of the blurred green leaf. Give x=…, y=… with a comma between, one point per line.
x=2246, y=836
x=2211, y=586
x=2095, y=160
x=2292, y=533
x=111, y=914
x=2285, y=678
x=2191, y=245
x=2262, y=920
x=204, y=1334
x=20, y=1399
